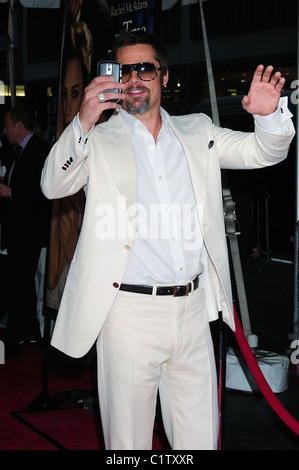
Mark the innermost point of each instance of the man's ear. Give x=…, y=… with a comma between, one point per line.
x=165, y=78
x=19, y=126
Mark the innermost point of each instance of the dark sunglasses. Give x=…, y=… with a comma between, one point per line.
x=144, y=70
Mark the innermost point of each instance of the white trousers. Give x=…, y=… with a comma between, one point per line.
x=152, y=343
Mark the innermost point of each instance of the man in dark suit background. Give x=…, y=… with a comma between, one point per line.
x=25, y=226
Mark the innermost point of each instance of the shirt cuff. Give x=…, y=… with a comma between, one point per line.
x=80, y=138
x=277, y=122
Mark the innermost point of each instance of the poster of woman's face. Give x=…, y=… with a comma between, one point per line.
x=90, y=28
x=87, y=39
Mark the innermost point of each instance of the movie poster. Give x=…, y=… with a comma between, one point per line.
x=136, y=14
x=89, y=27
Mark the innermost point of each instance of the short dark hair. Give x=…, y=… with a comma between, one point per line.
x=23, y=115
x=131, y=38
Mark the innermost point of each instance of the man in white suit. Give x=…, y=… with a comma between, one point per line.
x=151, y=267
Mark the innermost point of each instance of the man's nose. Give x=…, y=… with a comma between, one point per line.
x=134, y=77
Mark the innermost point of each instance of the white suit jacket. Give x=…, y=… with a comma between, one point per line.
x=107, y=168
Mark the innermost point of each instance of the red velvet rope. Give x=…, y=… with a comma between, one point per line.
x=261, y=381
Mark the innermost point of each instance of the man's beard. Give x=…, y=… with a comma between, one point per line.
x=138, y=106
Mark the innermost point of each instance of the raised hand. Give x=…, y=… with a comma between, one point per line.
x=91, y=106
x=264, y=93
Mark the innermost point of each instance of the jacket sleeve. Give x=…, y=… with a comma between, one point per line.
x=268, y=145
x=66, y=169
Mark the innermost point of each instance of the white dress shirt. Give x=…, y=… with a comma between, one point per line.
x=168, y=242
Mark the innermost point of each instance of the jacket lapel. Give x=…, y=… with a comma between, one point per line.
x=196, y=150
x=122, y=164
x=124, y=168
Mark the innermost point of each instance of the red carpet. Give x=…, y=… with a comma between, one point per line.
x=70, y=428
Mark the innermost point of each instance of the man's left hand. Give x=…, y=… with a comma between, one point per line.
x=264, y=93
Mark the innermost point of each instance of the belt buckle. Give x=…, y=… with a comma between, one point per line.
x=176, y=291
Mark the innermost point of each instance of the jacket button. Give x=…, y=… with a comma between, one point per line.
x=127, y=247
x=116, y=285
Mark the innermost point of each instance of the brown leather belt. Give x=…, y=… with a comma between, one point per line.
x=175, y=291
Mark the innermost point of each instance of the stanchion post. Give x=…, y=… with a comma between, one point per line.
x=295, y=335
